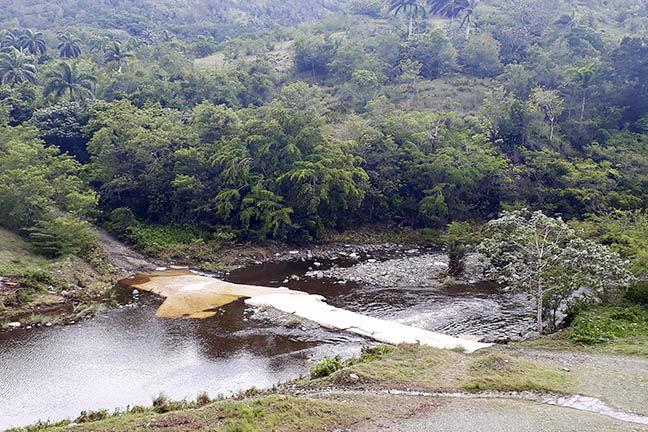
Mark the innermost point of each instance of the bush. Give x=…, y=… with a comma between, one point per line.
x=161, y=403
x=91, y=416
x=326, y=367
x=638, y=293
x=202, y=399
x=121, y=219
x=433, y=51
x=481, y=56
x=152, y=238
x=600, y=324
x=373, y=353
x=63, y=235
x=35, y=279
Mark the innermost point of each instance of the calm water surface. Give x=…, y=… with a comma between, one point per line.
x=126, y=356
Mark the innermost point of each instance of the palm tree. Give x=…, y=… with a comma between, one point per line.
x=412, y=8
x=8, y=40
x=455, y=8
x=32, y=42
x=69, y=45
x=67, y=79
x=114, y=53
x=17, y=67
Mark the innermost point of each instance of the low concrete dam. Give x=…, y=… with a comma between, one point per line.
x=192, y=295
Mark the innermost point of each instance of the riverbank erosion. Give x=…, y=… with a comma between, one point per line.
x=38, y=291
x=417, y=388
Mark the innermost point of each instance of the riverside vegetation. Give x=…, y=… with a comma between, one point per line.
x=188, y=131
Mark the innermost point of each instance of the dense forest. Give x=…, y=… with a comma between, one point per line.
x=228, y=120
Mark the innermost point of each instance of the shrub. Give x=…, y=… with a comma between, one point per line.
x=433, y=51
x=161, y=403
x=481, y=56
x=121, y=219
x=601, y=324
x=326, y=367
x=373, y=353
x=202, y=399
x=35, y=279
x=91, y=416
x=638, y=293
x=63, y=235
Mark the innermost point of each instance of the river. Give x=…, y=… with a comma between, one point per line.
x=127, y=356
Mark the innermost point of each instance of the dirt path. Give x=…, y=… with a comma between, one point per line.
x=125, y=260
x=620, y=381
x=492, y=415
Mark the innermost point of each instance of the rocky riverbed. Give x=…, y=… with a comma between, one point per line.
x=411, y=270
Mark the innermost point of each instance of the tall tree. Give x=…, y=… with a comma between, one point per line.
x=8, y=40
x=117, y=54
x=412, y=8
x=69, y=45
x=550, y=104
x=544, y=257
x=17, y=67
x=67, y=79
x=452, y=9
x=32, y=41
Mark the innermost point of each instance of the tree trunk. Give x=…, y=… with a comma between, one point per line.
x=539, y=307
x=551, y=133
x=410, y=26
x=582, y=113
x=467, y=29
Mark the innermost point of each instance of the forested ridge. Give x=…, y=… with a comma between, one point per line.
x=173, y=123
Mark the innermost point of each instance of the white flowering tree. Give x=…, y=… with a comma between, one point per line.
x=543, y=257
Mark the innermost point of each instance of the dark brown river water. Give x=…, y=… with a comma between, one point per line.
x=127, y=356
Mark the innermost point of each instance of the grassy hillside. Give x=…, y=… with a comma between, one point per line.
x=37, y=290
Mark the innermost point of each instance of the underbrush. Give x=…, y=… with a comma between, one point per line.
x=605, y=324
x=329, y=365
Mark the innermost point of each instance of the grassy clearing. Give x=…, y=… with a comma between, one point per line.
x=280, y=56
x=620, y=330
x=496, y=371
x=432, y=369
x=266, y=413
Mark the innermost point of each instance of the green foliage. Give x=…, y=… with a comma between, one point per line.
x=433, y=51
x=154, y=238
x=480, y=55
x=91, y=416
x=62, y=235
x=41, y=193
x=326, y=367
x=602, y=324
x=625, y=232
x=543, y=256
x=638, y=293
x=539, y=107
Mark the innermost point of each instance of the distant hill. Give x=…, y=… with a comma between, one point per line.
x=194, y=18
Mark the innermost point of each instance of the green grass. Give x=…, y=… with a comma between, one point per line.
x=265, y=413
x=609, y=329
x=424, y=368
x=502, y=372
x=153, y=238
x=16, y=255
